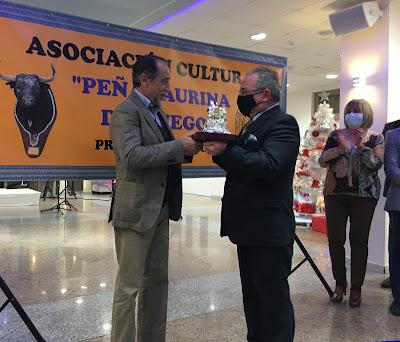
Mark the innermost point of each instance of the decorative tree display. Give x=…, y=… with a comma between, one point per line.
x=309, y=176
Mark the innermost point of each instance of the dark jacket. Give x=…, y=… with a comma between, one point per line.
x=258, y=196
x=388, y=127
x=392, y=169
x=356, y=171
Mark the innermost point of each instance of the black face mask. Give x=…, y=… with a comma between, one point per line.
x=246, y=103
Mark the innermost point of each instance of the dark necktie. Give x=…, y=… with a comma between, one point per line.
x=244, y=128
x=163, y=128
x=157, y=116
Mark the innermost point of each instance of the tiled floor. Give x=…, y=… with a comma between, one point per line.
x=62, y=269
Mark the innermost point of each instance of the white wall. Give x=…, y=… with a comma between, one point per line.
x=393, y=110
x=204, y=186
x=299, y=104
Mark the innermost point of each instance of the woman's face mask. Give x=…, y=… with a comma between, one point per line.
x=354, y=120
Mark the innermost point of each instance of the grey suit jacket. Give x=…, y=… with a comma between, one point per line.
x=142, y=159
x=392, y=169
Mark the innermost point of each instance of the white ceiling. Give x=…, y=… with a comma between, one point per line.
x=292, y=26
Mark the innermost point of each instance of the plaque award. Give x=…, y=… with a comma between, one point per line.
x=215, y=126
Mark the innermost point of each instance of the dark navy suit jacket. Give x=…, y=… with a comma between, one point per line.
x=258, y=195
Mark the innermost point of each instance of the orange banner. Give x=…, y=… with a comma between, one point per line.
x=59, y=86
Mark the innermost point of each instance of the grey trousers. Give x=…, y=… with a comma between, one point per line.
x=143, y=273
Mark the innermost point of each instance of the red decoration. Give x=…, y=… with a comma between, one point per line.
x=315, y=133
x=318, y=224
x=306, y=152
x=306, y=208
x=315, y=184
x=302, y=173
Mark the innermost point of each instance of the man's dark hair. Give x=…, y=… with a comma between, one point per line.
x=146, y=64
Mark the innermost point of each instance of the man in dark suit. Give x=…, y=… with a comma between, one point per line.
x=257, y=212
x=147, y=194
x=387, y=284
x=392, y=206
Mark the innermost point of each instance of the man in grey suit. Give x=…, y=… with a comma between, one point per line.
x=148, y=193
x=392, y=205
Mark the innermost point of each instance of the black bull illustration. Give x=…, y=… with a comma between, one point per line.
x=35, y=109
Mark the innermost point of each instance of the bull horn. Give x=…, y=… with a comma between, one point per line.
x=8, y=78
x=48, y=79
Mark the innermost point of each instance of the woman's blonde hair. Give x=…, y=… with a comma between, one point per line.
x=360, y=106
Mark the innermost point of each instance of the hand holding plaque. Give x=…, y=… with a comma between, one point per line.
x=215, y=126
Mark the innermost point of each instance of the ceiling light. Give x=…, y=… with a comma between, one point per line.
x=259, y=36
x=288, y=85
x=331, y=76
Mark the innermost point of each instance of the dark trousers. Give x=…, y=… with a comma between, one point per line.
x=266, y=298
x=360, y=210
x=394, y=252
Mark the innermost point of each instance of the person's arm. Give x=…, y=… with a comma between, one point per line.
x=278, y=150
x=332, y=150
x=392, y=157
x=126, y=136
x=372, y=156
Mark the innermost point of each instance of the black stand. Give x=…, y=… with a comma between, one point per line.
x=71, y=186
x=47, y=188
x=66, y=205
x=308, y=258
x=21, y=312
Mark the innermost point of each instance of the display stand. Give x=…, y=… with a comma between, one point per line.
x=307, y=257
x=21, y=312
x=47, y=188
x=63, y=204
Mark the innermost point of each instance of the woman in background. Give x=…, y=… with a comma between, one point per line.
x=352, y=188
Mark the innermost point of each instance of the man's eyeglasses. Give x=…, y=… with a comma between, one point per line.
x=245, y=92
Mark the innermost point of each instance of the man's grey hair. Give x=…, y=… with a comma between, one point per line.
x=268, y=79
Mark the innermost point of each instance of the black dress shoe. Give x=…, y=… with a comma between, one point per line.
x=395, y=307
x=387, y=283
x=339, y=292
x=355, y=298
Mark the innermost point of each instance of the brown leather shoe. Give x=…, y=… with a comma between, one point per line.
x=340, y=291
x=355, y=298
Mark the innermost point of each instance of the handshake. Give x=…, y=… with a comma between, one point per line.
x=192, y=147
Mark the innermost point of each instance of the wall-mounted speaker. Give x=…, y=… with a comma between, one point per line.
x=355, y=18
